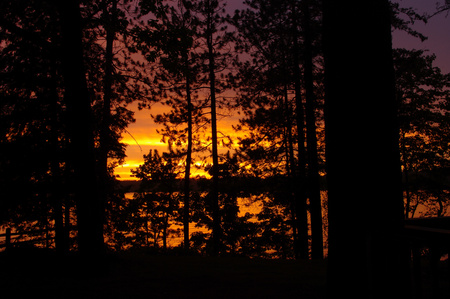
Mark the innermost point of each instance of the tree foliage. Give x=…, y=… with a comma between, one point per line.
x=36, y=165
x=423, y=94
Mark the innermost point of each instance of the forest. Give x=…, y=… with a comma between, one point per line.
x=71, y=71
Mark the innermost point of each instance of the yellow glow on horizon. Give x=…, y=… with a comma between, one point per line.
x=143, y=140
x=130, y=164
x=141, y=137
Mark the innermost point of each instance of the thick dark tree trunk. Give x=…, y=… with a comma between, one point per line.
x=79, y=122
x=366, y=259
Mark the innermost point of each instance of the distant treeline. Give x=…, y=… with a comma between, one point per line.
x=250, y=185
x=440, y=178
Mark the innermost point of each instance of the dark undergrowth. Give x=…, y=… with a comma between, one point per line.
x=138, y=274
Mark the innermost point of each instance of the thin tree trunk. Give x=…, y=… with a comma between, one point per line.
x=301, y=206
x=290, y=165
x=57, y=192
x=215, y=157
x=79, y=122
x=166, y=220
x=105, y=131
x=187, y=172
x=313, y=165
x=147, y=230
x=406, y=176
x=57, y=197
x=67, y=223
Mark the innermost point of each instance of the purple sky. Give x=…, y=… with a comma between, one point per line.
x=437, y=30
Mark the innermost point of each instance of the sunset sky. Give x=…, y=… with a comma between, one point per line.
x=144, y=129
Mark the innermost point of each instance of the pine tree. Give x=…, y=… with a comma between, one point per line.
x=312, y=145
x=215, y=38
x=170, y=41
x=33, y=145
x=422, y=93
x=37, y=49
x=273, y=39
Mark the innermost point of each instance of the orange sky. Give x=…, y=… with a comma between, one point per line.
x=142, y=137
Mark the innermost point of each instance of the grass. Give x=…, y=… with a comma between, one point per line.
x=140, y=275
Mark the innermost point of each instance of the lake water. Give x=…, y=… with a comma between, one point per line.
x=248, y=205
x=245, y=204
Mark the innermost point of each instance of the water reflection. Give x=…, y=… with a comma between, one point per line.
x=257, y=217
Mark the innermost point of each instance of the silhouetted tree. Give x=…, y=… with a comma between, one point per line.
x=109, y=18
x=187, y=39
x=157, y=203
x=403, y=19
x=172, y=43
x=313, y=176
x=266, y=97
x=281, y=38
x=440, y=8
x=209, y=9
x=110, y=89
x=301, y=194
x=238, y=233
x=215, y=38
x=422, y=91
x=82, y=154
x=267, y=152
x=32, y=130
x=365, y=207
x=35, y=35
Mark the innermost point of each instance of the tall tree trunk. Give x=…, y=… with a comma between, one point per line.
x=215, y=156
x=187, y=172
x=406, y=178
x=291, y=167
x=61, y=244
x=300, y=194
x=79, y=122
x=166, y=220
x=67, y=222
x=313, y=165
x=363, y=162
x=105, y=130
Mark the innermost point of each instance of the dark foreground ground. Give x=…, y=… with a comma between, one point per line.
x=159, y=276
